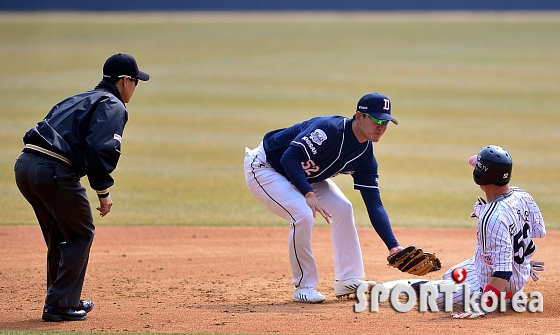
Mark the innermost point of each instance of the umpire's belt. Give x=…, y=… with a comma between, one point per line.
x=45, y=153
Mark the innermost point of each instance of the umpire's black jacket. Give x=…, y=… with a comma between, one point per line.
x=85, y=130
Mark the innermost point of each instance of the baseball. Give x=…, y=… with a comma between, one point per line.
x=472, y=160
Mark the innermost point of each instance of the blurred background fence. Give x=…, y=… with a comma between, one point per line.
x=275, y=5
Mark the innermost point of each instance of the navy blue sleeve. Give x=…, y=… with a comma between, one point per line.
x=291, y=162
x=379, y=217
x=502, y=274
x=104, y=143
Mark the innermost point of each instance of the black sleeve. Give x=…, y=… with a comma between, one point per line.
x=104, y=143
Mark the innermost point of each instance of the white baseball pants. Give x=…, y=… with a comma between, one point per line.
x=458, y=297
x=280, y=197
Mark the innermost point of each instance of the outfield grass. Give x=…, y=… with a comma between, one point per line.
x=457, y=81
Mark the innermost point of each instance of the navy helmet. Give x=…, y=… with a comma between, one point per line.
x=493, y=166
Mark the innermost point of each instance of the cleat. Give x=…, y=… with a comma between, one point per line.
x=57, y=314
x=468, y=315
x=416, y=286
x=85, y=305
x=307, y=295
x=344, y=288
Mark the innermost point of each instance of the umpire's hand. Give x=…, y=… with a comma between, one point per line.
x=105, y=205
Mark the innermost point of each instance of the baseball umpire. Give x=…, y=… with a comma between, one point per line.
x=80, y=136
x=290, y=174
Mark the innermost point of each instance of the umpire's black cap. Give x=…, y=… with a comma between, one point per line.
x=120, y=65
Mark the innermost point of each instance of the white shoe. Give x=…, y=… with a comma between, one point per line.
x=307, y=294
x=468, y=315
x=349, y=286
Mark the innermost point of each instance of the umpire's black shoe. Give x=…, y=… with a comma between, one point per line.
x=56, y=314
x=85, y=305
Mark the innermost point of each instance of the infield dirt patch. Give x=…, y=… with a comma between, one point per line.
x=237, y=280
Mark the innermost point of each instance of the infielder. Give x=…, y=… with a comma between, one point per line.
x=507, y=223
x=290, y=174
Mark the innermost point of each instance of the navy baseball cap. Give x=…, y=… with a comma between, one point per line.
x=376, y=105
x=123, y=65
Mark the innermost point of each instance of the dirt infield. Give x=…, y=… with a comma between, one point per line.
x=236, y=280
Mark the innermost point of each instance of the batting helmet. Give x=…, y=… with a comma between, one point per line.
x=493, y=166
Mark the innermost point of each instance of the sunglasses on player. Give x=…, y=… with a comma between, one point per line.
x=376, y=121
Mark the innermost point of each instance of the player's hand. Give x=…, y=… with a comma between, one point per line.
x=478, y=207
x=536, y=266
x=316, y=206
x=396, y=249
x=105, y=205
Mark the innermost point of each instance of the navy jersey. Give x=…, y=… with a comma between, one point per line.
x=87, y=130
x=324, y=147
x=327, y=147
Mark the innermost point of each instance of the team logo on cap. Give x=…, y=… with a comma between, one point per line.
x=386, y=104
x=318, y=136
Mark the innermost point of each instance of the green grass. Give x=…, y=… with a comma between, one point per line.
x=458, y=81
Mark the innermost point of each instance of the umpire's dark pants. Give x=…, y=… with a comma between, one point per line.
x=61, y=205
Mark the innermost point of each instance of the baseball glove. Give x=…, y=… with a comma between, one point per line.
x=414, y=261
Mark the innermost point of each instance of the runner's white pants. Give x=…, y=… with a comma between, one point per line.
x=471, y=280
x=280, y=197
